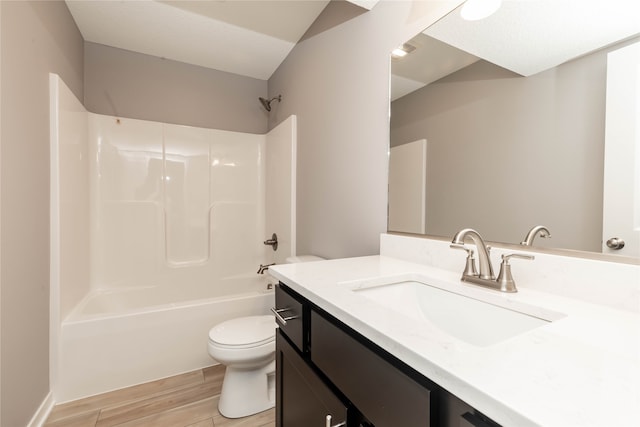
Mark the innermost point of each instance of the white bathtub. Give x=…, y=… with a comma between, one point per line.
x=121, y=338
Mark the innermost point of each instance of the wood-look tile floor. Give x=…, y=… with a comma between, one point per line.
x=187, y=400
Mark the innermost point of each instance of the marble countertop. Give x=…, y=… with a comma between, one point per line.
x=582, y=369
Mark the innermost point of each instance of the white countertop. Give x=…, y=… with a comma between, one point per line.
x=580, y=370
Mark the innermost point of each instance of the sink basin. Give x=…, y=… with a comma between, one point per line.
x=466, y=318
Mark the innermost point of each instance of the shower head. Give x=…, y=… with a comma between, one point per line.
x=266, y=103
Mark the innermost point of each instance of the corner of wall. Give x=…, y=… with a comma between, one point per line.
x=41, y=415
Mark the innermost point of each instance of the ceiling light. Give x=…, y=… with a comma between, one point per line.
x=398, y=53
x=402, y=51
x=474, y=10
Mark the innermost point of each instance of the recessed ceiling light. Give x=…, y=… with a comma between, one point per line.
x=474, y=10
x=402, y=51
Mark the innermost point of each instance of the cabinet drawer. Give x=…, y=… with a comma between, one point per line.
x=291, y=315
x=384, y=394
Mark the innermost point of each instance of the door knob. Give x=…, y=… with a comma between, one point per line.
x=615, y=243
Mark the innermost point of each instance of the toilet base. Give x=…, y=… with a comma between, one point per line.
x=247, y=391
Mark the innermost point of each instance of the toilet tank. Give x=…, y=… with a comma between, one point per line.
x=302, y=258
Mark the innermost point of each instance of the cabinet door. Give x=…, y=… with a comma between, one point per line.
x=384, y=394
x=302, y=399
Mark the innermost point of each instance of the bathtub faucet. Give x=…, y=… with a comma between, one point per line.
x=264, y=267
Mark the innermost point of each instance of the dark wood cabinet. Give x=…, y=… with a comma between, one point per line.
x=387, y=396
x=303, y=399
x=290, y=306
x=323, y=367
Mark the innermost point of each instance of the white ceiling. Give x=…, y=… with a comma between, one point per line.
x=529, y=36
x=250, y=38
x=430, y=61
x=524, y=36
x=253, y=37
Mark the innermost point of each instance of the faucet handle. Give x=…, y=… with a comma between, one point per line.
x=470, y=266
x=507, y=257
x=505, y=278
x=460, y=246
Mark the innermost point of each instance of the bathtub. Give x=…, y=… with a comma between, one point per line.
x=116, y=339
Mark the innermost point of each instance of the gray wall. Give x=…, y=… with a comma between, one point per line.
x=337, y=82
x=37, y=38
x=127, y=84
x=507, y=152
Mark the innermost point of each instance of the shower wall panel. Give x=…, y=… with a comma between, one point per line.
x=126, y=192
x=186, y=201
x=280, y=192
x=69, y=199
x=173, y=203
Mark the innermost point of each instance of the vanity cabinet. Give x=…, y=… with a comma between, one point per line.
x=323, y=367
x=303, y=398
x=388, y=397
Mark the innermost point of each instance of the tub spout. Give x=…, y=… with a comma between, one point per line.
x=264, y=267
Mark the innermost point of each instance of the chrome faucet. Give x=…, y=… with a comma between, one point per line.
x=264, y=267
x=484, y=261
x=485, y=276
x=537, y=230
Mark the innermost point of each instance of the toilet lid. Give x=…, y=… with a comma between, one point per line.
x=249, y=331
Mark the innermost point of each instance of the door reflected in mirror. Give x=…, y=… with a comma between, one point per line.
x=507, y=152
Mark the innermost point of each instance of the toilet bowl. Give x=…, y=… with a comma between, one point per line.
x=247, y=347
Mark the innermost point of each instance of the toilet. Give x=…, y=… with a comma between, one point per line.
x=247, y=347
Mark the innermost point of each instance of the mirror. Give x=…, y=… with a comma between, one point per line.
x=511, y=129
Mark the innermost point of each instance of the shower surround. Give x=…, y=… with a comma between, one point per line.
x=156, y=235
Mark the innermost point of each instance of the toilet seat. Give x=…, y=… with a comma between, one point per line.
x=244, y=332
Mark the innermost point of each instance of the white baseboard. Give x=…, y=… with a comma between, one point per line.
x=43, y=412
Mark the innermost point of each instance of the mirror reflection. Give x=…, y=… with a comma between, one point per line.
x=501, y=135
